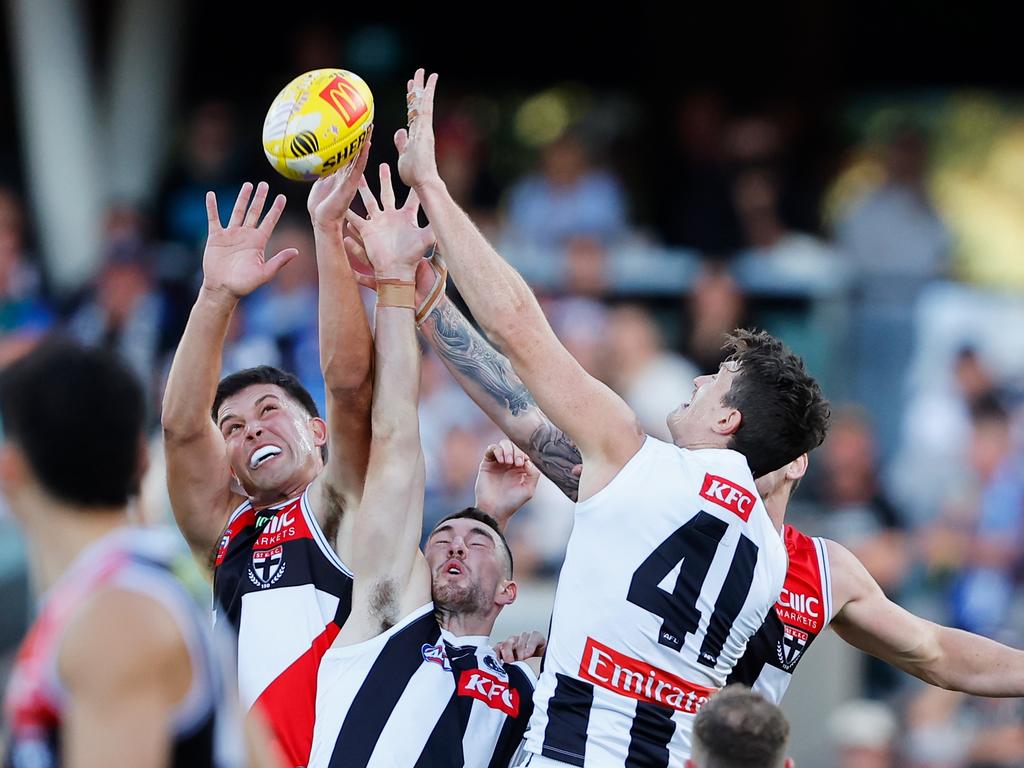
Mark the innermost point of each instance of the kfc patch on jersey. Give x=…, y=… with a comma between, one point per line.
x=493, y=692
x=728, y=495
x=638, y=680
x=267, y=566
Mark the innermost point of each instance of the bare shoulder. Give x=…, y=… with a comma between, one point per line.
x=122, y=640
x=850, y=579
x=600, y=467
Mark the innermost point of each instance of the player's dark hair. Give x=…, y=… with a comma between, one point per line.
x=784, y=412
x=475, y=513
x=263, y=374
x=739, y=729
x=78, y=415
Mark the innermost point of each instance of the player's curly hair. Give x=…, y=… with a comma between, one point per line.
x=739, y=729
x=783, y=410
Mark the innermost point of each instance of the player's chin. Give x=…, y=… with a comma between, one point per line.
x=453, y=593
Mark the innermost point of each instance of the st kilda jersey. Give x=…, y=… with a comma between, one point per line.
x=416, y=695
x=206, y=730
x=280, y=585
x=670, y=569
x=803, y=612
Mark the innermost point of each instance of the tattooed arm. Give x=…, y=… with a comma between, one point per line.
x=487, y=376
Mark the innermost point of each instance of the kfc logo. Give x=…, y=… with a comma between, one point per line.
x=490, y=690
x=727, y=494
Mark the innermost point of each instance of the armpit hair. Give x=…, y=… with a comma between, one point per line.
x=384, y=603
x=335, y=510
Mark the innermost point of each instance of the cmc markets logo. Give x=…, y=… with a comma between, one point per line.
x=795, y=601
x=493, y=692
x=727, y=494
x=638, y=680
x=346, y=100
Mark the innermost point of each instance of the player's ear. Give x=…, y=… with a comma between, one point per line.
x=728, y=422
x=797, y=468
x=789, y=763
x=14, y=471
x=507, y=592
x=319, y=427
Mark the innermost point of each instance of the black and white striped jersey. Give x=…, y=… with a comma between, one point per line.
x=669, y=571
x=418, y=696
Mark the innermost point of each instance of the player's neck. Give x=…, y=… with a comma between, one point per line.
x=261, y=499
x=466, y=624
x=58, y=533
x=776, y=505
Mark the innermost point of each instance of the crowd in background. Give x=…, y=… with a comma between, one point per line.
x=922, y=476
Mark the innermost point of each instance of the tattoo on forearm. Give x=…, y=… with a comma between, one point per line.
x=555, y=455
x=461, y=344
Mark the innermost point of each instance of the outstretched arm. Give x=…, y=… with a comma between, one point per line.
x=346, y=357
x=198, y=475
x=597, y=419
x=948, y=658
x=391, y=576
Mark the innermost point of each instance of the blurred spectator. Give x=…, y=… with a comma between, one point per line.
x=770, y=243
x=209, y=161
x=455, y=473
x=568, y=197
x=894, y=238
x=24, y=314
x=857, y=512
x=460, y=150
x=895, y=244
x=582, y=326
x=124, y=312
x=992, y=555
x=585, y=268
x=864, y=734
x=716, y=306
x=652, y=380
x=697, y=210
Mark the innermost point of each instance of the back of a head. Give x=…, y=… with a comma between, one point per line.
x=739, y=729
x=78, y=415
x=784, y=412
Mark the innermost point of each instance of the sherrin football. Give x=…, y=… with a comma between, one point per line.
x=317, y=124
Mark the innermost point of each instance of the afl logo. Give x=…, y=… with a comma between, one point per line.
x=304, y=143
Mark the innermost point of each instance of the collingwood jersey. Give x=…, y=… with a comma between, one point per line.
x=669, y=571
x=802, y=613
x=418, y=696
x=207, y=727
x=279, y=584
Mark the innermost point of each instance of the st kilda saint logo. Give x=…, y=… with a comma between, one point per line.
x=791, y=646
x=267, y=567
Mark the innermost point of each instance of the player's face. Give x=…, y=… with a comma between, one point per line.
x=270, y=438
x=467, y=566
x=694, y=422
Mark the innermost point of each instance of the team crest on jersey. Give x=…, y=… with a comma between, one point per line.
x=791, y=646
x=437, y=654
x=267, y=566
x=494, y=665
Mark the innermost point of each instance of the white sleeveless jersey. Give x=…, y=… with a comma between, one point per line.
x=669, y=571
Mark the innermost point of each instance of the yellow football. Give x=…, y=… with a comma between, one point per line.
x=318, y=123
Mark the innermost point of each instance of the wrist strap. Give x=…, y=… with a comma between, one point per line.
x=437, y=290
x=396, y=293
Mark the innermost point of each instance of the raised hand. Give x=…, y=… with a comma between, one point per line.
x=234, y=261
x=506, y=480
x=521, y=647
x=417, y=164
x=331, y=196
x=391, y=238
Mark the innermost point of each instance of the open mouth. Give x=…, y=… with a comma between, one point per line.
x=453, y=568
x=262, y=455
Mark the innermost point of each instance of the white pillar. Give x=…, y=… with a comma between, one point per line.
x=64, y=163
x=143, y=75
